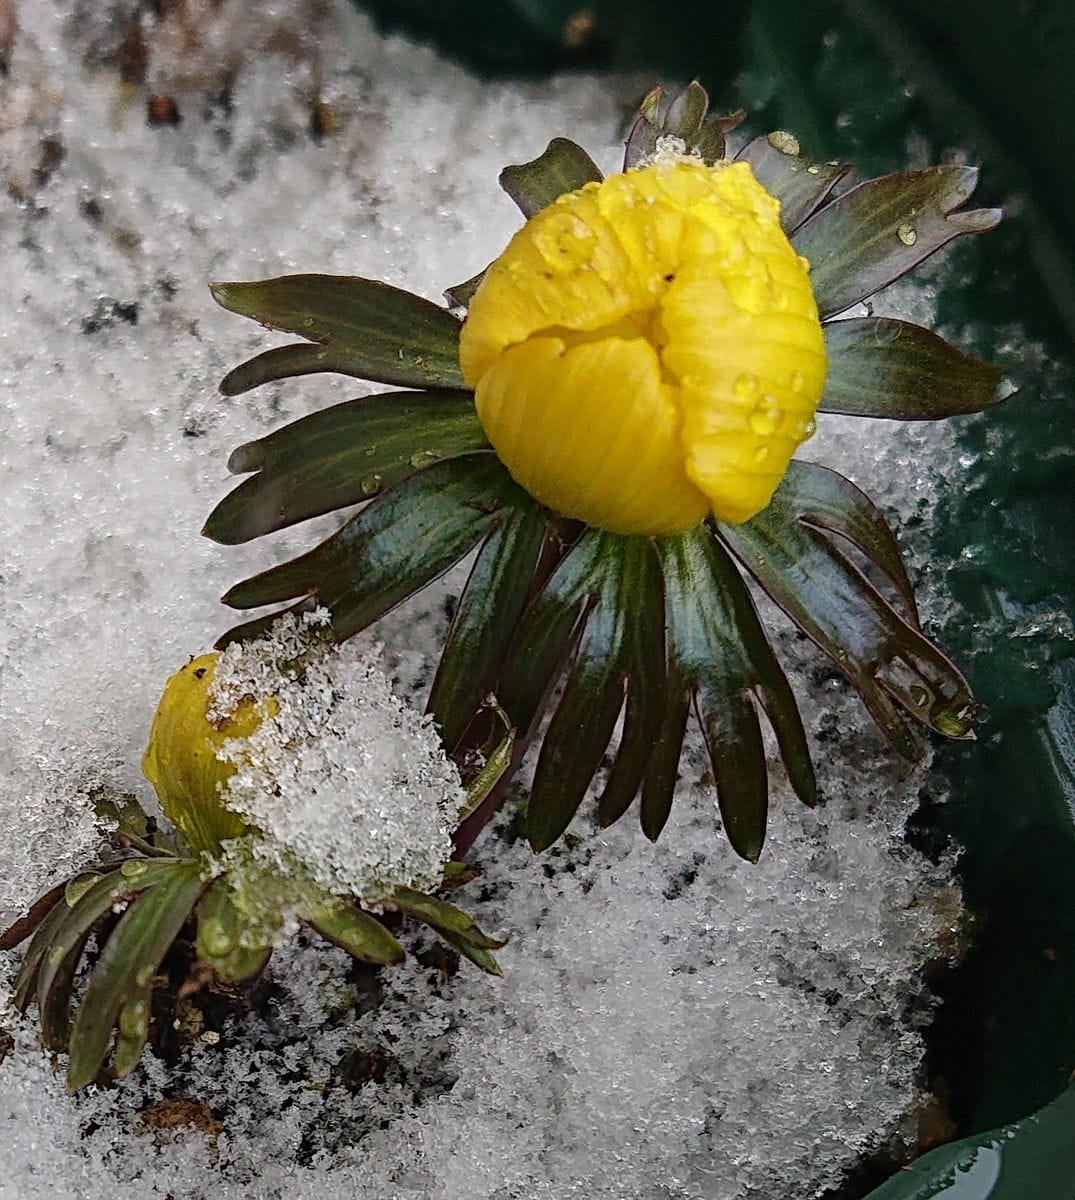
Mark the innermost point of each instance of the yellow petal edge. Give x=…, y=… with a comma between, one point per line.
x=647, y=350
x=181, y=759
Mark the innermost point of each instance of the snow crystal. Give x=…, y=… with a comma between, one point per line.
x=672, y=1022
x=340, y=772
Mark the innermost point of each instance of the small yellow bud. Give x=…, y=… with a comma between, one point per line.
x=647, y=350
x=181, y=760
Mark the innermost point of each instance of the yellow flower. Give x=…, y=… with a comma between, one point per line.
x=647, y=349
x=182, y=760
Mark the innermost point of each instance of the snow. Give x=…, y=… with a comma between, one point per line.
x=672, y=1022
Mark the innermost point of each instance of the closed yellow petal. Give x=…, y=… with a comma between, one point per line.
x=648, y=349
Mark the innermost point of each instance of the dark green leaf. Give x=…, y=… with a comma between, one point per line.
x=400, y=542
x=459, y=295
x=26, y=980
x=340, y=456
x=230, y=940
x=604, y=602
x=881, y=367
x=454, y=925
x=127, y=964
x=132, y=1032
x=662, y=772
x=364, y=328
x=887, y=659
x=485, y=618
x=718, y=651
x=827, y=501
x=682, y=116
x=563, y=167
x=881, y=229
x=800, y=184
x=21, y=929
x=355, y=931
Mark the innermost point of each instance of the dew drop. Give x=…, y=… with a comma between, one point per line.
x=143, y=975
x=76, y=888
x=761, y=454
x=133, y=868
x=813, y=169
x=907, y=235
x=132, y=1019
x=786, y=143
x=370, y=451
x=214, y=939
x=371, y=485
x=765, y=417
x=919, y=695
x=307, y=322
x=797, y=381
x=746, y=387
x=809, y=429
x=423, y=458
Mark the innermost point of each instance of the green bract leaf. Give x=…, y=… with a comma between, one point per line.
x=459, y=295
x=826, y=500
x=718, y=652
x=340, y=456
x=881, y=367
x=684, y=117
x=454, y=925
x=229, y=940
x=800, y=184
x=881, y=229
x=132, y=1032
x=603, y=602
x=127, y=964
x=399, y=543
x=563, y=167
x=485, y=618
x=21, y=929
x=355, y=931
x=887, y=659
x=361, y=327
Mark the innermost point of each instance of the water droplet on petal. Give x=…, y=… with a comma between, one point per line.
x=761, y=454
x=746, y=387
x=797, y=381
x=786, y=143
x=765, y=417
x=907, y=234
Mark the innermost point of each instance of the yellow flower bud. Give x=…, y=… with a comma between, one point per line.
x=648, y=350
x=181, y=760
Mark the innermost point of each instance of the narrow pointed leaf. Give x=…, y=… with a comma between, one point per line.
x=826, y=500
x=21, y=929
x=563, y=167
x=127, y=964
x=875, y=232
x=455, y=926
x=26, y=981
x=229, y=940
x=719, y=652
x=662, y=771
x=459, y=295
x=302, y=358
x=400, y=542
x=367, y=329
x=892, y=665
x=485, y=619
x=620, y=649
x=340, y=456
x=800, y=184
x=881, y=367
x=355, y=931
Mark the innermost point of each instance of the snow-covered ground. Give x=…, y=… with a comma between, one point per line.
x=672, y=1022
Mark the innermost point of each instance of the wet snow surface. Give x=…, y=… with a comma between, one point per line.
x=672, y=1022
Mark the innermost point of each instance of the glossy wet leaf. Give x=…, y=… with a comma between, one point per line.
x=229, y=940
x=882, y=367
x=21, y=929
x=601, y=613
x=1031, y=1159
x=127, y=964
x=875, y=232
x=824, y=499
x=362, y=328
x=683, y=116
x=485, y=618
x=800, y=184
x=355, y=931
x=132, y=1032
x=399, y=543
x=892, y=665
x=719, y=655
x=26, y=980
x=341, y=456
x=562, y=167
